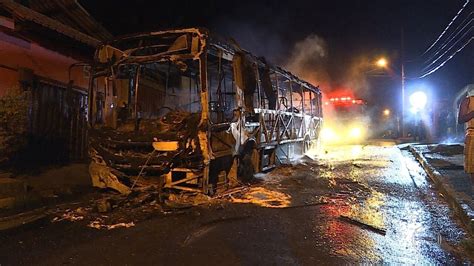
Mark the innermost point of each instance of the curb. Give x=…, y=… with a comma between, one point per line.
x=462, y=210
x=21, y=219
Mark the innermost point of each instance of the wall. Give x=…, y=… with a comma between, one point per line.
x=17, y=53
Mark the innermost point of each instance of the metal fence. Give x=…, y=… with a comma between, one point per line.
x=58, y=127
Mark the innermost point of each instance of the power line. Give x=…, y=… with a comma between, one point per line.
x=445, y=61
x=447, y=27
x=455, y=33
x=451, y=47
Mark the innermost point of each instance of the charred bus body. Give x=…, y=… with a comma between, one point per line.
x=192, y=111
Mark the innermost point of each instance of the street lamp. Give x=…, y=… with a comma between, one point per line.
x=382, y=62
x=418, y=101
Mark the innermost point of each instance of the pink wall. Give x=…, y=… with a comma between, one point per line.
x=16, y=53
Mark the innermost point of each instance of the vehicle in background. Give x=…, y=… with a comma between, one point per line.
x=346, y=120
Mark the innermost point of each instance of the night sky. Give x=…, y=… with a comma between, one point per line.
x=350, y=30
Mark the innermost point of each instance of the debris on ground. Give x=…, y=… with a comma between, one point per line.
x=187, y=200
x=99, y=224
x=305, y=205
x=263, y=197
x=72, y=215
x=111, y=210
x=230, y=192
x=353, y=187
x=103, y=205
x=362, y=224
x=197, y=234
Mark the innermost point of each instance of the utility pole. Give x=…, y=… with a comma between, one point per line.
x=403, y=101
x=402, y=118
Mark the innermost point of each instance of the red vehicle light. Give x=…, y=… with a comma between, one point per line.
x=344, y=100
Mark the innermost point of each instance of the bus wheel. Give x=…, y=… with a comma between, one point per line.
x=246, y=170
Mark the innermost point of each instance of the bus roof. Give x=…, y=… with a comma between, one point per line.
x=133, y=42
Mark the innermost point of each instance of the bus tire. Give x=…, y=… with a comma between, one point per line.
x=246, y=169
x=249, y=163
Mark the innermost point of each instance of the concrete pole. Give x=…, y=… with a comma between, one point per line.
x=403, y=102
x=402, y=118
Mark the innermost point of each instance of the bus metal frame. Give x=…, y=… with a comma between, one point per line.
x=258, y=138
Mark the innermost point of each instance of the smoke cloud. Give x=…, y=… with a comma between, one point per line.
x=308, y=60
x=356, y=76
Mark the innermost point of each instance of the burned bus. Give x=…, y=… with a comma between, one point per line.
x=192, y=112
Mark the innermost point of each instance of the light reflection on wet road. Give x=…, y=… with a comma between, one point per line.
x=399, y=199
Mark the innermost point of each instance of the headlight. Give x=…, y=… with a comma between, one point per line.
x=327, y=134
x=355, y=132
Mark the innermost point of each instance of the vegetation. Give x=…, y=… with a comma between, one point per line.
x=13, y=123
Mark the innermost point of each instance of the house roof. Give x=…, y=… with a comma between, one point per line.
x=21, y=12
x=71, y=13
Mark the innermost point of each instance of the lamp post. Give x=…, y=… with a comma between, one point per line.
x=383, y=63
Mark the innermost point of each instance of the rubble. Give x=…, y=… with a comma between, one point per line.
x=113, y=210
x=71, y=215
x=122, y=211
x=187, y=200
x=110, y=210
x=103, y=177
x=229, y=192
x=104, y=205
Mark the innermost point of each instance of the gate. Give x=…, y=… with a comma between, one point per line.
x=57, y=122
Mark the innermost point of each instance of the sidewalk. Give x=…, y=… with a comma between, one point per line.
x=444, y=165
x=24, y=193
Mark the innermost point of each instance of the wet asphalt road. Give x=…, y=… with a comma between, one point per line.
x=292, y=217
